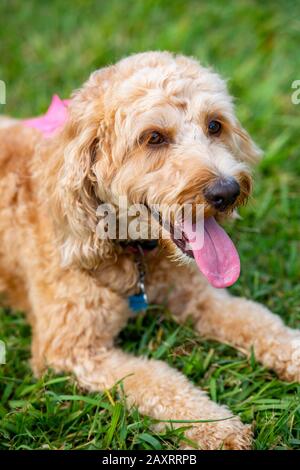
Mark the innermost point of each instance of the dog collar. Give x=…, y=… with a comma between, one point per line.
x=138, y=246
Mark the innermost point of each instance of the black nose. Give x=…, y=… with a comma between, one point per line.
x=222, y=193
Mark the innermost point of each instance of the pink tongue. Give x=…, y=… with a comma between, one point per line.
x=217, y=258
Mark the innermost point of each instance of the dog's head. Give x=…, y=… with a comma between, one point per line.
x=154, y=128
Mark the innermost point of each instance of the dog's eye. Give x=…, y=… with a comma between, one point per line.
x=214, y=127
x=156, y=138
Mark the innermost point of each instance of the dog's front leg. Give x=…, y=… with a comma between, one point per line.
x=237, y=321
x=247, y=324
x=76, y=335
x=164, y=394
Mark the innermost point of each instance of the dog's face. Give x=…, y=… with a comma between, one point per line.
x=157, y=129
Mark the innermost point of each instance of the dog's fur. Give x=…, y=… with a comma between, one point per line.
x=75, y=287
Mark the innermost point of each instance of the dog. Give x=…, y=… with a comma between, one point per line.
x=155, y=128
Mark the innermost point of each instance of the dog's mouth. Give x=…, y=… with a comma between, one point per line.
x=211, y=248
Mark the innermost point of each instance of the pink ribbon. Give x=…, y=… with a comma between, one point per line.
x=54, y=118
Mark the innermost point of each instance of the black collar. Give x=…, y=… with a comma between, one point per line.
x=137, y=245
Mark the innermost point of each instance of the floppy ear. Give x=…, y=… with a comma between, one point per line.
x=73, y=186
x=245, y=148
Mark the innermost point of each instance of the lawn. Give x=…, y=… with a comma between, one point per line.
x=51, y=47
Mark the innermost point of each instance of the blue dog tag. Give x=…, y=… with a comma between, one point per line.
x=138, y=302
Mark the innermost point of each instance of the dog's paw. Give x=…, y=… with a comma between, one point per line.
x=287, y=359
x=229, y=434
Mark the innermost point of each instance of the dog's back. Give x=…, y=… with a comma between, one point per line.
x=7, y=121
x=16, y=150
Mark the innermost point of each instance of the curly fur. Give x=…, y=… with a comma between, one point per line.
x=74, y=286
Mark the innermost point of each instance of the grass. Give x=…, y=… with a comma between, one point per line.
x=51, y=46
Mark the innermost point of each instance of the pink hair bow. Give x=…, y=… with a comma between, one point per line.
x=54, y=118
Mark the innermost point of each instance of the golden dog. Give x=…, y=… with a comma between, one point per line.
x=157, y=129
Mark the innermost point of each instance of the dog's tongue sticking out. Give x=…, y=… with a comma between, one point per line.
x=217, y=258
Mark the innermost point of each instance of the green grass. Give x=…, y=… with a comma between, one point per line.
x=52, y=46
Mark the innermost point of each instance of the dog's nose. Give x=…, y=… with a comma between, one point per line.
x=222, y=193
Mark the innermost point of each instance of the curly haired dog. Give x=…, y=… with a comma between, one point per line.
x=156, y=128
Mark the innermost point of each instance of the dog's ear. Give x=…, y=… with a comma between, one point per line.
x=73, y=187
x=245, y=148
